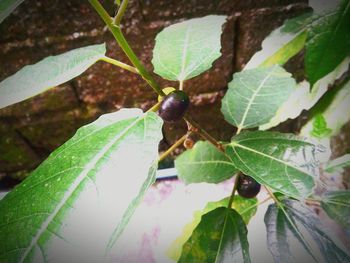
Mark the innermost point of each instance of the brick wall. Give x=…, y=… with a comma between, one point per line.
x=30, y=130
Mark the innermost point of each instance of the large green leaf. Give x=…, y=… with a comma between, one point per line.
x=204, y=163
x=49, y=72
x=295, y=234
x=67, y=209
x=244, y=206
x=338, y=164
x=337, y=206
x=330, y=114
x=7, y=6
x=284, y=162
x=221, y=236
x=255, y=95
x=283, y=43
x=328, y=42
x=185, y=50
x=302, y=98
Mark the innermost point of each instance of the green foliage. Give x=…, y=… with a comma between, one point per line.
x=284, y=162
x=204, y=163
x=221, y=236
x=255, y=95
x=185, y=50
x=245, y=207
x=283, y=43
x=338, y=164
x=48, y=73
x=326, y=35
x=76, y=193
x=7, y=7
x=77, y=203
x=330, y=114
x=303, y=98
x=337, y=206
x=290, y=223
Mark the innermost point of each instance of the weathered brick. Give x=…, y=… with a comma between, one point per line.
x=15, y=153
x=56, y=99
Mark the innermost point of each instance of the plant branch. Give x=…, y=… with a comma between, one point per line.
x=118, y=35
x=119, y=64
x=195, y=127
x=118, y=18
x=174, y=146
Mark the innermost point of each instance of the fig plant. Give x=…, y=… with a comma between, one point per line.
x=76, y=204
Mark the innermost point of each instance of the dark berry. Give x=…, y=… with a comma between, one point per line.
x=174, y=106
x=247, y=186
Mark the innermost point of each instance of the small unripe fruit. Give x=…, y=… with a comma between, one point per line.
x=247, y=186
x=174, y=106
x=166, y=91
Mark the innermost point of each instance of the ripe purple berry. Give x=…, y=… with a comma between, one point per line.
x=174, y=106
x=247, y=186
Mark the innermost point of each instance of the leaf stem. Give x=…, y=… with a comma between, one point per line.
x=195, y=127
x=256, y=205
x=181, y=85
x=272, y=196
x=118, y=35
x=119, y=64
x=155, y=107
x=118, y=18
x=235, y=185
x=174, y=146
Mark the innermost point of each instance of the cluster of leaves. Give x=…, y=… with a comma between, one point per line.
x=88, y=186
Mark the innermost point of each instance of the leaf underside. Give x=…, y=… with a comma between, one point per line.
x=284, y=162
x=187, y=49
x=295, y=234
x=66, y=210
x=204, y=163
x=255, y=95
x=337, y=206
x=34, y=79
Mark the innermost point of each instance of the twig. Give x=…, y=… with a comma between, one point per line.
x=117, y=19
x=119, y=64
x=194, y=127
x=173, y=147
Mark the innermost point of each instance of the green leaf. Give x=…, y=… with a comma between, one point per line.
x=338, y=164
x=204, y=163
x=283, y=162
x=255, y=95
x=320, y=128
x=245, y=207
x=294, y=223
x=88, y=188
x=187, y=49
x=49, y=72
x=337, y=206
x=331, y=113
x=326, y=35
x=7, y=7
x=221, y=236
x=304, y=99
x=283, y=43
